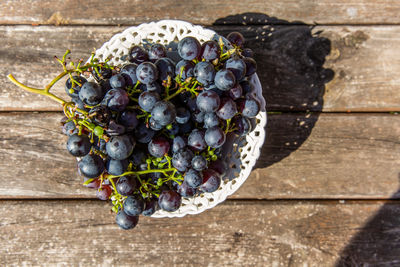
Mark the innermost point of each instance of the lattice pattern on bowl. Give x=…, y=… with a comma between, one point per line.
x=242, y=152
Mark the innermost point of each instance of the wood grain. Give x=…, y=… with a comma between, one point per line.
x=236, y=233
x=134, y=12
x=364, y=60
x=305, y=156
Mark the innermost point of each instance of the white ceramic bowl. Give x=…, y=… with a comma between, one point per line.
x=241, y=152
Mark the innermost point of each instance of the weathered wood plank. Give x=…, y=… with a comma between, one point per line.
x=365, y=61
x=127, y=12
x=76, y=233
x=305, y=156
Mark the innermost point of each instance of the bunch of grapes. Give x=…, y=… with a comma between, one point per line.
x=151, y=132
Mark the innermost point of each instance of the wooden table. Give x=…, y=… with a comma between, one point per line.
x=325, y=190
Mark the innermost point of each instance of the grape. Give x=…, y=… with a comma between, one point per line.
x=69, y=128
x=125, y=186
x=150, y=207
x=116, y=167
x=210, y=120
x=120, y=147
x=210, y=50
x=242, y=125
x=125, y=221
x=227, y=108
x=178, y=143
x=214, y=137
x=169, y=200
x=117, y=81
x=148, y=99
x=181, y=160
x=102, y=73
x=193, y=178
x=186, y=128
x=247, y=52
x=78, y=145
x=100, y=115
x=147, y=73
x=115, y=128
x=129, y=73
x=199, y=163
x=198, y=116
x=163, y=112
x=157, y=51
x=154, y=125
x=249, y=107
x=138, y=55
x=219, y=166
x=186, y=191
x=137, y=157
x=246, y=87
x=166, y=68
x=158, y=147
x=196, y=140
x=174, y=130
x=235, y=92
x=236, y=38
x=184, y=69
x=73, y=91
x=225, y=80
x=204, y=73
x=104, y=192
x=133, y=205
x=91, y=166
x=182, y=115
x=91, y=93
x=251, y=66
x=95, y=184
x=211, y=181
x=237, y=66
x=208, y=101
x=116, y=99
x=128, y=120
x=143, y=134
x=154, y=87
x=189, y=48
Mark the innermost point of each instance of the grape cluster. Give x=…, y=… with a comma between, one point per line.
x=151, y=132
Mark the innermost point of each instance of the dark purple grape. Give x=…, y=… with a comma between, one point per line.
x=116, y=99
x=174, y=130
x=199, y=163
x=242, y=125
x=143, y=134
x=125, y=186
x=150, y=207
x=157, y=51
x=208, y=101
x=249, y=107
x=102, y=73
x=117, y=81
x=125, y=221
x=69, y=128
x=115, y=128
x=137, y=157
x=193, y=178
x=235, y=92
x=116, y=167
x=91, y=166
x=178, y=143
x=246, y=87
x=147, y=73
x=236, y=39
x=211, y=181
x=186, y=191
x=189, y=48
x=210, y=120
x=186, y=128
x=247, y=52
x=105, y=85
x=95, y=184
x=154, y=87
x=182, y=159
x=91, y=93
x=73, y=91
x=148, y=99
x=78, y=145
x=169, y=200
x=198, y=116
x=100, y=115
x=204, y=72
x=138, y=55
x=120, y=147
x=129, y=73
x=129, y=120
x=214, y=137
x=196, y=140
x=104, y=192
x=154, y=125
x=158, y=146
x=251, y=66
x=163, y=112
x=182, y=115
x=133, y=205
x=224, y=80
x=166, y=68
x=227, y=108
x=210, y=50
x=237, y=66
x=184, y=69
x=219, y=166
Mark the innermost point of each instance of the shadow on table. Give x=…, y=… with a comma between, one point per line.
x=290, y=62
x=378, y=242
